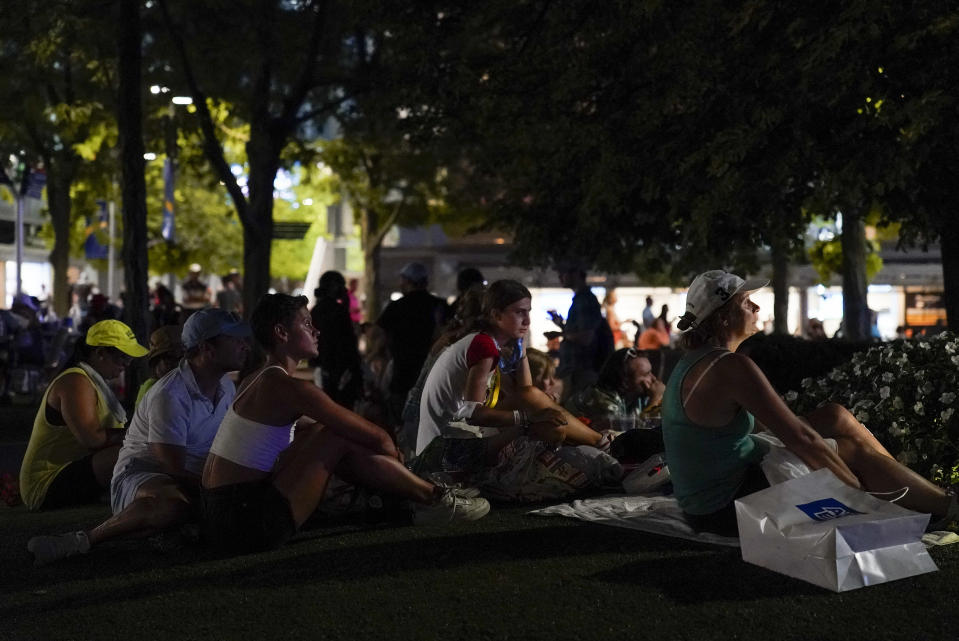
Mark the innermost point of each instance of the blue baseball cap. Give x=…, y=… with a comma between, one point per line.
x=212, y=322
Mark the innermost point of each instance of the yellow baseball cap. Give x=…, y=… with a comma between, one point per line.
x=113, y=333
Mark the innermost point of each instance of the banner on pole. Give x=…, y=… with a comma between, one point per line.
x=92, y=247
x=168, y=230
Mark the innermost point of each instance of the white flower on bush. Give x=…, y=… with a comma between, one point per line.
x=791, y=396
x=914, y=382
x=806, y=383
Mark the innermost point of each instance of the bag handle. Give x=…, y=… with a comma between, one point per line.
x=900, y=493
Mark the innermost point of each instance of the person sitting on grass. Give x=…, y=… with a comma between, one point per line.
x=166, y=350
x=626, y=390
x=468, y=383
x=715, y=399
x=542, y=371
x=157, y=475
x=259, y=487
x=78, y=429
x=468, y=307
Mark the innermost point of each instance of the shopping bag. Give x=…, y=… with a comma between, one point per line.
x=818, y=529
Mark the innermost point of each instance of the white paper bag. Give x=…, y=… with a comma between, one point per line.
x=818, y=529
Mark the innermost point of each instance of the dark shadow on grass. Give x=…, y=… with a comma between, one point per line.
x=297, y=563
x=722, y=576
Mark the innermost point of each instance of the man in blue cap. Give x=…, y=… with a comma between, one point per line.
x=157, y=473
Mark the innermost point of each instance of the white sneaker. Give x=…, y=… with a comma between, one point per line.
x=450, y=506
x=466, y=492
x=47, y=549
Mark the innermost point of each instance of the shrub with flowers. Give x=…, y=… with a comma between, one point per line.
x=907, y=393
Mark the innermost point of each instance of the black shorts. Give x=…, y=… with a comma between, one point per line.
x=76, y=484
x=245, y=517
x=723, y=521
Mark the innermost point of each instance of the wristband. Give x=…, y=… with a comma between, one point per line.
x=521, y=419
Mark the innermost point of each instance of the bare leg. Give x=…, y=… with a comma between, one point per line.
x=103, y=462
x=835, y=421
x=303, y=472
x=159, y=505
x=879, y=472
x=574, y=432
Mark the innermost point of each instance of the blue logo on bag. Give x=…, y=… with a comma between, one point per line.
x=826, y=510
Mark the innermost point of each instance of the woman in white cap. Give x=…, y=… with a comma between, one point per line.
x=77, y=432
x=716, y=399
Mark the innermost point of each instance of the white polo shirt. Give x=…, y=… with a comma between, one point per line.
x=175, y=412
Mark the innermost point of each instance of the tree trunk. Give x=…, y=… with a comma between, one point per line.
x=258, y=239
x=855, y=308
x=371, y=272
x=780, y=260
x=59, y=178
x=372, y=241
x=949, y=248
x=130, y=124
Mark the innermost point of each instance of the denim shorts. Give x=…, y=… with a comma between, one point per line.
x=127, y=481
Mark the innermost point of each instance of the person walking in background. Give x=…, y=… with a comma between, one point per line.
x=664, y=316
x=655, y=337
x=230, y=298
x=196, y=293
x=609, y=308
x=356, y=310
x=411, y=323
x=648, y=315
x=587, y=339
x=338, y=369
x=165, y=309
x=467, y=278
x=79, y=427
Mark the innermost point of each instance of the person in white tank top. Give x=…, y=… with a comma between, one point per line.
x=258, y=488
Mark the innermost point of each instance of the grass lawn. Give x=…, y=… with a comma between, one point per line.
x=508, y=576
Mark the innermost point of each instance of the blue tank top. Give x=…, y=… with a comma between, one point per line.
x=707, y=464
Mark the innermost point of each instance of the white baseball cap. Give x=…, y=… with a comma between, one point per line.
x=709, y=291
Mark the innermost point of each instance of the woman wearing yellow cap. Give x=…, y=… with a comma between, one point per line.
x=78, y=429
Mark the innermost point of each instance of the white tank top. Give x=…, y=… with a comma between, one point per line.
x=247, y=442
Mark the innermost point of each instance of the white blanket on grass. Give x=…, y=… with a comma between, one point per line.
x=659, y=514
x=654, y=513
